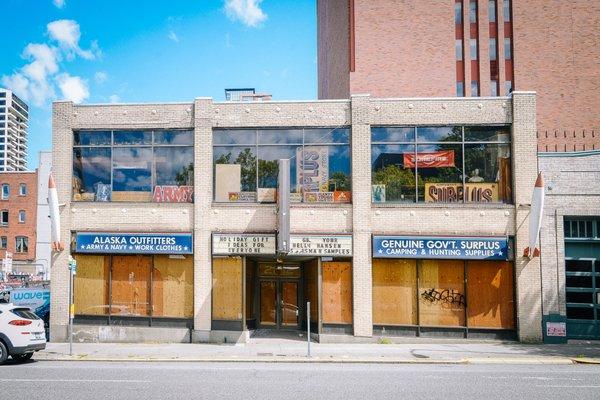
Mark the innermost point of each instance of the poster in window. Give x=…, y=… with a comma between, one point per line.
x=435, y=159
x=228, y=178
x=312, y=168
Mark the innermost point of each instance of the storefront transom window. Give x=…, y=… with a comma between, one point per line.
x=441, y=164
x=246, y=164
x=138, y=166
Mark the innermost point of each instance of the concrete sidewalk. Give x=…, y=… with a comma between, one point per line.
x=286, y=350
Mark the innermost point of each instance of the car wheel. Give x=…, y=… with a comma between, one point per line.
x=3, y=353
x=23, y=357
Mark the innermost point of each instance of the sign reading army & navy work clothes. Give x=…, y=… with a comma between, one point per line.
x=134, y=243
x=458, y=248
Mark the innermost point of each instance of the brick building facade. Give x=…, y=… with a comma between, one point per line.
x=221, y=285
x=423, y=48
x=18, y=204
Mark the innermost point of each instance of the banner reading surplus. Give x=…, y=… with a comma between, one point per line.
x=453, y=192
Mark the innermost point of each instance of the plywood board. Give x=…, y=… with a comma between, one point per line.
x=394, y=292
x=490, y=286
x=227, y=289
x=90, y=289
x=337, y=292
x=441, y=293
x=130, y=286
x=173, y=287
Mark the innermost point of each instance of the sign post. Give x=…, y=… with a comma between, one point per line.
x=308, y=326
x=72, y=272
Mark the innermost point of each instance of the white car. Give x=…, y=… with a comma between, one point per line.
x=21, y=333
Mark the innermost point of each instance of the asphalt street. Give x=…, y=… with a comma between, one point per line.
x=177, y=380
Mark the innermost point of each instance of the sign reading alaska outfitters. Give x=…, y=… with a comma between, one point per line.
x=321, y=245
x=134, y=243
x=238, y=243
x=458, y=248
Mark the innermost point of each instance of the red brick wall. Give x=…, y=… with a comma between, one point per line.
x=333, y=49
x=14, y=204
x=404, y=48
x=557, y=53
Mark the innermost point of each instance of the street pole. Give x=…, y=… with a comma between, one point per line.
x=70, y=308
x=308, y=326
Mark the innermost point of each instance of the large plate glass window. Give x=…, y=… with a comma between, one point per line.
x=441, y=164
x=133, y=166
x=246, y=164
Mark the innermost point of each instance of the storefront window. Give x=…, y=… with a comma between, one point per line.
x=443, y=293
x=134, y=286
x=246, y=164
x=135, y=166
x=441, y=164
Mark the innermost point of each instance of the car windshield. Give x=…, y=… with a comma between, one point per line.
x=24, y=313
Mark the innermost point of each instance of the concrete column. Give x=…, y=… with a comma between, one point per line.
x=361, y=216
x=62, y=164
x=203, y=195
x=528, y=274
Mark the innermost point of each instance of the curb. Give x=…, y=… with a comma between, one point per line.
x=586, y=360
x=317, y=360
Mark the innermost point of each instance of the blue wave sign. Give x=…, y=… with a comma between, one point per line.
x=457, y=248
x=134, y=243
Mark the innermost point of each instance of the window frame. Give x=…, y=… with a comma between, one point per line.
x=2, y=223
x=3, y=242
x=256, y=145
x=22, y=214
x=152, y=146
x=463, y=143
x=7, y=195
x=22, y=189
x=24, y=243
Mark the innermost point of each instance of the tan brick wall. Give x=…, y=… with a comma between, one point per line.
x=361, y=218
x=13, y=205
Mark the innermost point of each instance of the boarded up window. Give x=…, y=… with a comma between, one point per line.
x=173, y=287
x=90, y=289
x=490, y=287
x=227, y=289
x=337, y=292
x=394, y=292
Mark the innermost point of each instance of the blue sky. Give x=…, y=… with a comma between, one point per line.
x=101, y=51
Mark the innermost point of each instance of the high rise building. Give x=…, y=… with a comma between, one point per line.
x=14, y=117
x=432, y=48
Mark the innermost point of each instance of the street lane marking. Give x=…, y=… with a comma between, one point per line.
x=569, y=386
x=76, y=380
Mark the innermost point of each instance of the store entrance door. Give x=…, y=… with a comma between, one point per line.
x=279, y=298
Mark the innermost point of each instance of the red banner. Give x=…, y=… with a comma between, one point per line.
x=444, y=158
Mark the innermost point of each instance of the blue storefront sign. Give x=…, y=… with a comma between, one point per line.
x=134, y=243
x=461, y=248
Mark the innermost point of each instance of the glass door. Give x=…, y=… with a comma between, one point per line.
x=288, y=306
x=268, y=303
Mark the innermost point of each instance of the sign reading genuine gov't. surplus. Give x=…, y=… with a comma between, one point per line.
x=134, y=243
x=462, y=248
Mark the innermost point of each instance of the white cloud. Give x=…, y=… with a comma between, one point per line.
x=37, y=80
x=246, y=11
x=73, y=88
x=114, y=98
x=100, y=77
x=59, y=3
x=66, y=32
x=173, y=36
x=17, y=83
